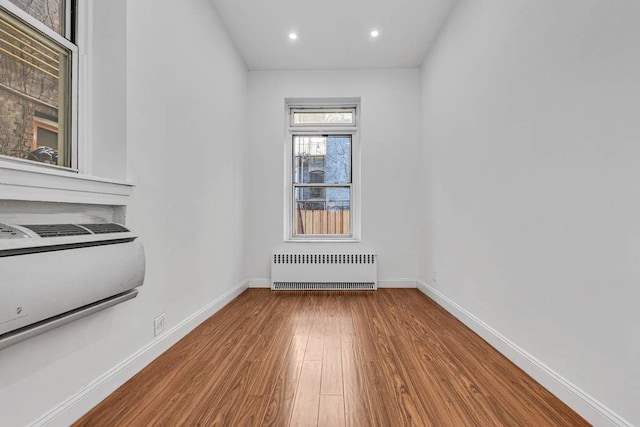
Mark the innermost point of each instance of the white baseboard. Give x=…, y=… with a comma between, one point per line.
x=382, y=283
x=84, y=400
x=260, y=282
x=589, y=408
x=397, y=283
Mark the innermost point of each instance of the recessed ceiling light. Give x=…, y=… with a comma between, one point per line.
x=375, y=33
x=293, y=36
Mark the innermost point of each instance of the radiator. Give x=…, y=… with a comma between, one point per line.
x=52, y=274
x=301, y=272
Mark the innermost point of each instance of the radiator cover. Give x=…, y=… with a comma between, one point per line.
x=328, y=271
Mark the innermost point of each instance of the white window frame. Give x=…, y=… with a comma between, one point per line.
x=32, y=181
x=291, y=130
x=74, y=83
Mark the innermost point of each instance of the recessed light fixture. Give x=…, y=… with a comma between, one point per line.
x=375, y=33
x=293, y=36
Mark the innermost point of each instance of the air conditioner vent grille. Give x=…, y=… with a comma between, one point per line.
x=105, y=228
x=57, y=230
x=324, y=286
x=324, y=258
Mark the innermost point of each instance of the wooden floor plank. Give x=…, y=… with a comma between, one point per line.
x=331, y=411
x=355, y=395
x=390, y=357
x=332, y=359
x=280, y=401
x=307, y=401
x=315, y=345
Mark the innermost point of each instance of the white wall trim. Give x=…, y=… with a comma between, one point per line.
x=397, y=283
x=260, y=282
x=28, y=182
x=265, y=282
x=591, y=409
x=84, y=400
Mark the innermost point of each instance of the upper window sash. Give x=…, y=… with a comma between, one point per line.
x=39, y=26
x=68, y=78
x=325, y=117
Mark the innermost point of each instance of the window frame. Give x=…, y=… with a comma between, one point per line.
x=40, y=123
x=309, y=129
x=315, y=109
x=72, y=94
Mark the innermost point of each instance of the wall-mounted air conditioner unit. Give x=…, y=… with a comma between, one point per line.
x=52, y=274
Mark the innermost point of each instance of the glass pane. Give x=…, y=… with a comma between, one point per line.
x=340, y=117
x=50, y=12
x=34, y=85
x=322, y=211
x=322, y=159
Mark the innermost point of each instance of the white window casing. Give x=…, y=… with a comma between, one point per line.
x=320, y=105
x=27, y=180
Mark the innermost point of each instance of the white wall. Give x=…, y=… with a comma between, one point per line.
x=185, y=141
x=185, y=104
x=390, y=143
x=530, y=114
x=105, y=72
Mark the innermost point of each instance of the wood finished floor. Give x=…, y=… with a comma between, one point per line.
x=387, y=358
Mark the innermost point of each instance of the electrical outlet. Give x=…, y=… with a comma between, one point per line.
x=158, y=325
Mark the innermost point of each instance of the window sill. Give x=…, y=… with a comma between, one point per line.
x=33, y=183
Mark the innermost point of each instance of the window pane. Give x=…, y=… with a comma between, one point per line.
x=322, y=210
x=50, y=12
x=47, y=138
x=340, y=117
x=322, y=159
x=34, y=82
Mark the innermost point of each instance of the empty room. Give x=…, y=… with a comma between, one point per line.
x=319, y=213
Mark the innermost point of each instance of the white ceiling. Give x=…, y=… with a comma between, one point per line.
x=333, y=34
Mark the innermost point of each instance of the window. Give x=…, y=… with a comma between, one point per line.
x=322, y=165
x=37, y=82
